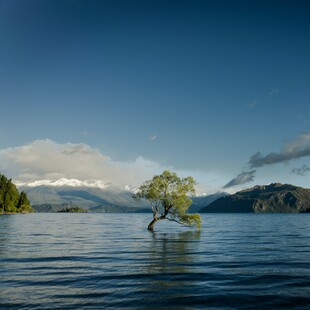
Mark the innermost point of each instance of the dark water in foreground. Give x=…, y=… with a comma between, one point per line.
x=96, y=261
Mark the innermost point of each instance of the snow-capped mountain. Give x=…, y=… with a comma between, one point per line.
x=65, y=182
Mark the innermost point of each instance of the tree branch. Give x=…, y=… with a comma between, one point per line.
x=174, y=220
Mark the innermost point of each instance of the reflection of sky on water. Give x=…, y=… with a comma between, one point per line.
x=74, y=260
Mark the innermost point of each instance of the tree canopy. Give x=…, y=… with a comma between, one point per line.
x=10, y=199
x=169, y=198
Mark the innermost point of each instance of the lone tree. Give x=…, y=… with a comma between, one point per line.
x=168, y=195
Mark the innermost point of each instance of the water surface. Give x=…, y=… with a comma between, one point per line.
x=96, y=261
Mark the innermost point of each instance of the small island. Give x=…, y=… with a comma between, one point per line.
x=11, y=201
x=74, y=210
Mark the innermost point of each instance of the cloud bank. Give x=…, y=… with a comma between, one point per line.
x=295, y=149
x=46, y=159
x=300, y=147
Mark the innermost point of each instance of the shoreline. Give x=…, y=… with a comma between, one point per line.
x=9, y=213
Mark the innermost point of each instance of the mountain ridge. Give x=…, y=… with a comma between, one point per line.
x=53, y=196
x=45, y=198
x=272, y=198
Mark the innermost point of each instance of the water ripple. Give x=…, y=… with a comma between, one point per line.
x=93, y=261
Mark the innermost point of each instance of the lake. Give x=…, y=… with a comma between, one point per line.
x=97, y=261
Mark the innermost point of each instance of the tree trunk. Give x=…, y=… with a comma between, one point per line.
x=155, y=219
x=151, y=225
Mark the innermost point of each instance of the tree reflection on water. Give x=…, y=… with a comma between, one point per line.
x=172, y=259
x=173, y=252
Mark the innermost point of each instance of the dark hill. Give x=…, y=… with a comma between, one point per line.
x=271, y=198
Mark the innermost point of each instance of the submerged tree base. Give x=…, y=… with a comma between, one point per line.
x=155, y=219
x=151, y=225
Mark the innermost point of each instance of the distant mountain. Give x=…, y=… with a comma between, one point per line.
x=47, y=196
x=200, y=202
x=94, y=196
x=267, y=198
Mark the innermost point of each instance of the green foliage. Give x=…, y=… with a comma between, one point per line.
x=192, y=219
x=10, y=199
x=169, y=195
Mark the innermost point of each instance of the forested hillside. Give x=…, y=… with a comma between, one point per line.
x=11, y=201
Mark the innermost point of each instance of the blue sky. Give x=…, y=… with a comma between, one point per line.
x=198, y=87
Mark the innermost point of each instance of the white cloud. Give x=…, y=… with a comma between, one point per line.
x=242, y=178
x=153, y=138
x=45, y=159
x=273, y=92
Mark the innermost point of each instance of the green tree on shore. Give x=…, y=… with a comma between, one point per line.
x=10, y=199
x=169, y=198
